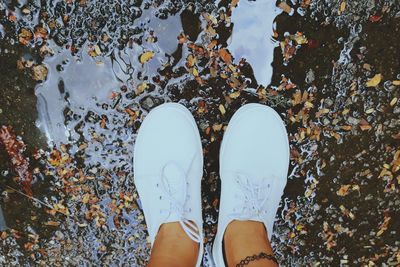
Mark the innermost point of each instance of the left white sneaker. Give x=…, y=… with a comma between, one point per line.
x=168, y=167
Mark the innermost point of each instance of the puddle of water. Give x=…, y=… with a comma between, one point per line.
x=3, y=225
x=79, y=83
x=252, y=36
x=82, y=83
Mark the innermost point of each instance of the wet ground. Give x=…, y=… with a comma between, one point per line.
x=78, y=77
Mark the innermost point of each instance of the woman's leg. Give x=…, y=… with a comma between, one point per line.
x=247, y=238
x=173, y=247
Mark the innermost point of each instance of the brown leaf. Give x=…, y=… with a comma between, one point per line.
x=225, y=55
x=364, y=125
x=344, y=190
x=52, y=223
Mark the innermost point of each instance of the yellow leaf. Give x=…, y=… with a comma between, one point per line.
x=380, y=232
x=222, y=109
x=146, y=56
x=39, y=72
x=141, y=88
x=195, y=71
x=217, y=127
x=97, y=49
x=343, y=6
x=308, y=104
x=191, y=60
x=308, y=193
x=299, y=38
x=374, y=81
x=234, y=95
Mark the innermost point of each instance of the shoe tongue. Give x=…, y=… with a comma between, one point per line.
x=174, y=179
x=175, y=184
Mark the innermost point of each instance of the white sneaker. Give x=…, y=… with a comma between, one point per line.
x=168, y=167
x=254, y=161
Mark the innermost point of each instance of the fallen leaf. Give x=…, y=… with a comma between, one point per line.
x=396, y=82
x=52, y=223
x=374, y=81
x=384, y=226
x=346, y=127
x=15, y=149
x=225, y=55
x=375, y=18
x=396, y=136
x=190, y=61
x=367, y=66
x=234, y=95
x=364, y=125
x=146, y=56
x=141, y=88
x=222, y=109
x=39, y=72
x=308, y=192
x=343, y=190
x=342, y=6
x=299, y=38
x=97, y=50
x=285, y=7
x=308, y=104
x=234, y=3
x=217, y=127
x=25, y=36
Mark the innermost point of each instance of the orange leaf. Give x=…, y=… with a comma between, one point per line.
x=225, y=55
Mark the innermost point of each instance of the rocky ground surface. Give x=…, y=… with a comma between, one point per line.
x=78, y=77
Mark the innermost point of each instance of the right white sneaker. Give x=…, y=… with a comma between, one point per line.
x=254, y=161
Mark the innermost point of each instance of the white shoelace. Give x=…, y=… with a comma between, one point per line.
x=177, y=205
x=255, y=195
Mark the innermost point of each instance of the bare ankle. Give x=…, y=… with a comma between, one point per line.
x=173, y=247
x=246, y=238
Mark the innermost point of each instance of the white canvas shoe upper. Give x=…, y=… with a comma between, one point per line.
x=254, y=161
x=168, y=167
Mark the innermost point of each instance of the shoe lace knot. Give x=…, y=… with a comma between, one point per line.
x=254, y=195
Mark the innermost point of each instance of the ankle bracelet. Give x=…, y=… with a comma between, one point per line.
x=256, y=257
